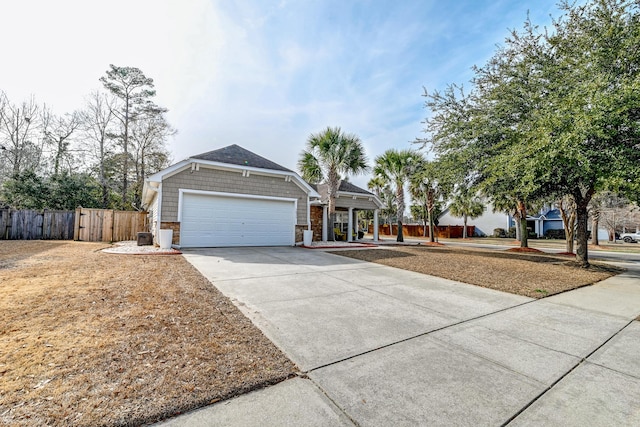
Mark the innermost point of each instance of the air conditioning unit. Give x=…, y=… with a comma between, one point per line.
x=145, y=239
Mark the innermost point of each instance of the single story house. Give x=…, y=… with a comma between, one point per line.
x=233, y=197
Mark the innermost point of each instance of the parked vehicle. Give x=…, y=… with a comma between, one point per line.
x=630, y=237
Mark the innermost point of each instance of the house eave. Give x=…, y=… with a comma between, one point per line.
x=195, y=164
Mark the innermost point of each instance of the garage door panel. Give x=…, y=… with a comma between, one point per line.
x=216, y=221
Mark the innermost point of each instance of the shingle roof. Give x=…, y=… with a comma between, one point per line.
x=553, y=214
x=350, y=188
x=345, y=186
x=236, y=155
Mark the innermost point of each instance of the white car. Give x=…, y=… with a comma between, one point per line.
x=630, y=237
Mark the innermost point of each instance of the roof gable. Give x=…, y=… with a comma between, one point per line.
x=346, y=188
x=236, y=155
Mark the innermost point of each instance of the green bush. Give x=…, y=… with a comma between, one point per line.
x=555, y=234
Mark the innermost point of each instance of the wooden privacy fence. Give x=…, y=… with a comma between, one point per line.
x=33, y=225
x=106, y=225
x=414, y=230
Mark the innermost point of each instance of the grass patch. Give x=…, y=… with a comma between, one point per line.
x=531, y=274
x=90, y=338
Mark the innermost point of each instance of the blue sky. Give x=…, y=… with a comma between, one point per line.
x=261, y=74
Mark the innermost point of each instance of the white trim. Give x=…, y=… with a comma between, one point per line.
x=159, y=209
x=181, y=191
x=245, y=170
x=324, y=222
x=375, y=226
x=369, y=197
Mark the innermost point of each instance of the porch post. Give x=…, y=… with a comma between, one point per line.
x=375, y=225
x=350, y=226
x=325, y=214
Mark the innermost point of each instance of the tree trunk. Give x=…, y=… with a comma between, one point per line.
x=431, y=228
x=567, y=208
x=464, y=230
x=103, y=178
x=582, y=218
x=333, y=182
x=516, y=217
x=125, y=166
x=425, y=212
x=400, y=199
x=582, y=254
x=524, y=233
x=595, y=223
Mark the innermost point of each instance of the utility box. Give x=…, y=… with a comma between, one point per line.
x=145, y=239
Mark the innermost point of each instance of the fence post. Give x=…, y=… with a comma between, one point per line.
x=76, y=225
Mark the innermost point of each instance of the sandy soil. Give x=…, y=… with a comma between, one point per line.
x=90, y=338
x=534, y=275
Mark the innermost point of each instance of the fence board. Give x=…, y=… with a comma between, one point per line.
x=31, y=225
x=105, y=225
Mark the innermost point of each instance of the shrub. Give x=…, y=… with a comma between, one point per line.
x=555, y=234
x=499, y=232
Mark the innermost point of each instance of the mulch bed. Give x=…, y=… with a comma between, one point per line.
x=525, y=250
x=532, y=274
x=89, y=338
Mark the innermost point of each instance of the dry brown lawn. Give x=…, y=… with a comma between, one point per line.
x=535, y=275
x=89, y=338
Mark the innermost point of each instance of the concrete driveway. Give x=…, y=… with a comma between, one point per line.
x=381, y=346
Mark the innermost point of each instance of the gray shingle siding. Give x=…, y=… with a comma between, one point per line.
x=207, y=179
x=349, y=202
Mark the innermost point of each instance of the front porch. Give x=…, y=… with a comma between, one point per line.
x=350, y=199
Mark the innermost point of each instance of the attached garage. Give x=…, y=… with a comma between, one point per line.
x=229, y=197
x=226, y=220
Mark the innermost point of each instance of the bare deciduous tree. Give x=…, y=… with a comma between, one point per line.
x=98, y=118
x=19, y=135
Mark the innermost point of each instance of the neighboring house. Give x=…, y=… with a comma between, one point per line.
x=484, y=224
x=551, y=219
x=232, y=197
x=547, y=219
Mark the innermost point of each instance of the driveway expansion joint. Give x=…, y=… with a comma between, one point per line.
x=580, y=363
x=422, y=334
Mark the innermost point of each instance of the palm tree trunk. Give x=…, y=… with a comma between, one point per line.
x=431, y=228
x=400, y=199
x=332, y=190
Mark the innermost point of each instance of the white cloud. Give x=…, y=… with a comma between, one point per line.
x=260, y=74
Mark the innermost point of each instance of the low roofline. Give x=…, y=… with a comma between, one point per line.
x=157, y=177
x=372, y=197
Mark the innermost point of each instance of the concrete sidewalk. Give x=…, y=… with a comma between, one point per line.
x=382, y=346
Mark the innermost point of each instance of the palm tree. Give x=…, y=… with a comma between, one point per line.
x=466, y=204
x=396, y=167
x=429, y=186
x=382, y=189
x=328, y=156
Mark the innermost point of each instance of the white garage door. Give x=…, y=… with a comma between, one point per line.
x=219, y=221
